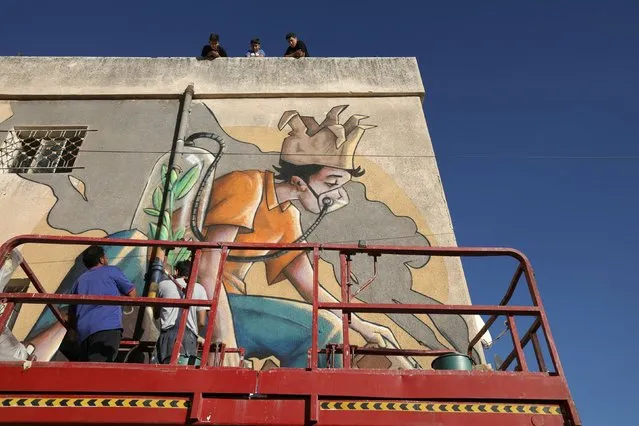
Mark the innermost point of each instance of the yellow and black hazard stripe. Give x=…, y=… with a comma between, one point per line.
x=435, y=407
x=94, y=402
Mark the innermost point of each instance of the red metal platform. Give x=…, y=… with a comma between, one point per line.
x=83, y=393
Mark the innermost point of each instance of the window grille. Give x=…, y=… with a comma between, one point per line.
x=51, y=149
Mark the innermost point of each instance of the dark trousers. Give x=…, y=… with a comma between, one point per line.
x=166, y=341
x=101, y=346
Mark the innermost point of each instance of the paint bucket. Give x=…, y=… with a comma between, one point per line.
x=452, y=361
x=188, y=360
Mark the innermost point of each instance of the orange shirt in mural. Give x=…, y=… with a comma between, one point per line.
x=247, y=199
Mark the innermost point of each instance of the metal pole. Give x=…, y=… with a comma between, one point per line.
x=178, y=147
x=315, y=325
x=521, y=358
x=213, y=312
x=156, y=263
x=344, y=265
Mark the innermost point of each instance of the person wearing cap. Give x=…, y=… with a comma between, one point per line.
x=296, y=47
x=255, y=51
x=213, y=49
x=255, y=206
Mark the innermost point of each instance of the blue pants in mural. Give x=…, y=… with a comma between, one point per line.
x=267, y=326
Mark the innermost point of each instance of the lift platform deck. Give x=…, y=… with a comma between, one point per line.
x=33, y=392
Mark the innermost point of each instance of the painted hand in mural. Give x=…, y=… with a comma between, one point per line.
x=300, y=273
x=381, y=337
x=374, y=334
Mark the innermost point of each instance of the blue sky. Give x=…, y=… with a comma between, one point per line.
x=517, y=94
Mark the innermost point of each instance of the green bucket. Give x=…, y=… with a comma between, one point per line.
x=452, y=361
x=188, y=360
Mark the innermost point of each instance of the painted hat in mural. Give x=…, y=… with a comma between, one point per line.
x=328, y=144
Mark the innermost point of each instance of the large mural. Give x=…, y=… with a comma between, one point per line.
x=265, y=175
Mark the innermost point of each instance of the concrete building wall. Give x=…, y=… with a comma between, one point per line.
x=130, y=107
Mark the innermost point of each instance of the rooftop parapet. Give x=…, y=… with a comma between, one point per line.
x=70, y=77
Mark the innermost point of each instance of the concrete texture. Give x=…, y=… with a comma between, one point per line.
x=23, y=77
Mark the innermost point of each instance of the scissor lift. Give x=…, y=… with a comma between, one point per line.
x=33, y=392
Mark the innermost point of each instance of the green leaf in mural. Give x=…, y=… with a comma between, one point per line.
x=183, y=254
x=170, y=259
x=171, y=198
x=186, y=182
x=164, y=233
x=157, y=199
x=166, y=223
x=153, y=229
x=172, y=178
x=179, y=234
x=152, y=212
x=163, y=175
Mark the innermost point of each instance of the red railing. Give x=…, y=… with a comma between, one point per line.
x=345, y=306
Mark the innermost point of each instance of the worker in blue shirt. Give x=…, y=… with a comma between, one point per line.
x=99, y=327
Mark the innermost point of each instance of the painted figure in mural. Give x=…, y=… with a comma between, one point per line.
x=255, y=49
x=256, y=206
x=213, y=49
x=174, y=288
x=99, y=327
x=296, y=47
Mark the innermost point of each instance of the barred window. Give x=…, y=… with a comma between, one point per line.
x=37, y=149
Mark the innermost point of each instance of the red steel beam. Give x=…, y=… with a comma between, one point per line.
x=190, y=286
x=292, y=412
x=103, y=378
x=102, y=416
x=532, y=287
x=147, y=344
x=315, y=319
x=385, y=418
x=6, y=312
x=264, y=413
x=538, y=353
x=313, y=397
x=504, y=301
x=394, y=308
x=356, y=350
x=414, y=384
x=40, y=288
x=37, y=298
x=513, y=285
x=344, y=261
x=346, y=248
x=213, y=312
x=115, y=378
x=524, y=341
x=521, y=358
x=545, y=325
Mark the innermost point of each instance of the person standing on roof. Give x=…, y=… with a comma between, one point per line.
x=255, y=51
x=296, y=47
x=213, y=49
x=175, y=288
x=99, y=327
